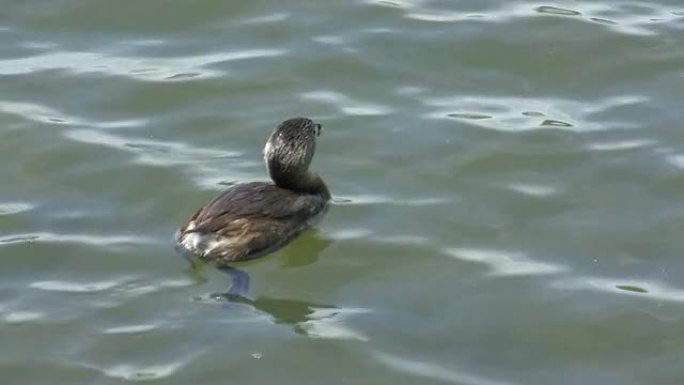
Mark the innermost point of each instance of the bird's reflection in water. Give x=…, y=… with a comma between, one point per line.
x=309, y=247
x=299, y=314
x=283, y=311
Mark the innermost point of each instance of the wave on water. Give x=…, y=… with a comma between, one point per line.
x=520, y=114
x=346, y=104
x=503, y=263
x=435, y=371
x=138, y=68
x=619, y=16
x=93, y=240
x=43, y=114
x=645, y=289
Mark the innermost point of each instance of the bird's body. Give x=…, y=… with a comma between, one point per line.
x=253, y=219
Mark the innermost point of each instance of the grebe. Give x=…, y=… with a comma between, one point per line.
x=250, y=220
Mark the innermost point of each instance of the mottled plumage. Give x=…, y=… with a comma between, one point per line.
x=253, y=219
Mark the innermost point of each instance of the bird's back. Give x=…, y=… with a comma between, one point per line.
x=249, y=220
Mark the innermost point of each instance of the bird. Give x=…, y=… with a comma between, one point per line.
x=253, y=219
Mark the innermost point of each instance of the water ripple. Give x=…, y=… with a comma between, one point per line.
x=94, y=240
x=10, y=208
x=267, y=19
x=150, y=152
x=505, y=262
x=637, y=288
x=138, y=68
x=403, y=240
x=347, y=234
x=22, y=316
x=43, y=114
x=676, y=160
x=406, y=4
x=73, y=287
x=621, y=145
x=532, y=190
x=346, y=104
x=170, y=154
x=435, y=371
x=520, y=114
x=124, y=286
x=129, y=329
x=369, y=199
x=621, y=17
x=328, y=323
x=130, y=372
x=136, y=288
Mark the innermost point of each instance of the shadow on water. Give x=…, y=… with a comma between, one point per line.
x=297, y=313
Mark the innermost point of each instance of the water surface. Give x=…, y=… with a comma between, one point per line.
x=507, y=183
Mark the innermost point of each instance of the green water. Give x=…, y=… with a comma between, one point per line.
x=507, y=178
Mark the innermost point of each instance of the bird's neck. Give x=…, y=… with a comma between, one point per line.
x=303, y=181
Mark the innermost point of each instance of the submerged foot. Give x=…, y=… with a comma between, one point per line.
x=239, y=287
